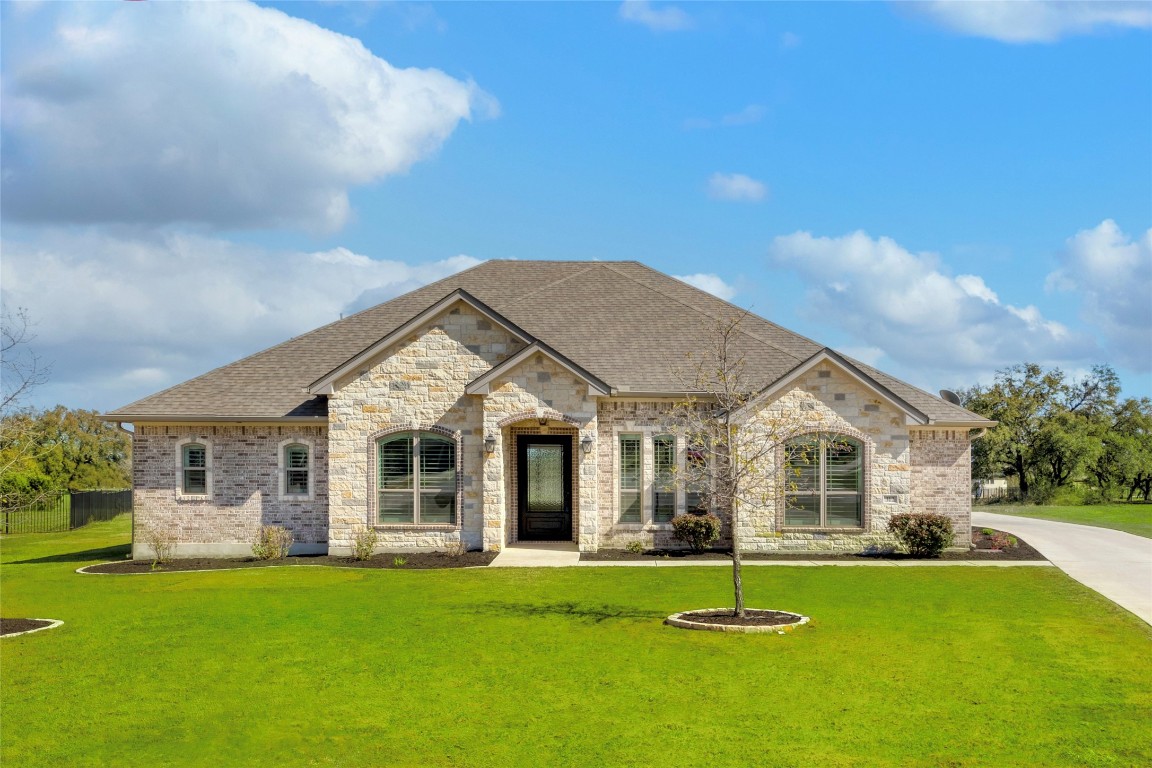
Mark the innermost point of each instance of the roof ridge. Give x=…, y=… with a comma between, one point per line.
x=710, y=316
x=554, y=283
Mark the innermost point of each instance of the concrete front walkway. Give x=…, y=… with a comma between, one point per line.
x=1118, y=565
x=537, y=554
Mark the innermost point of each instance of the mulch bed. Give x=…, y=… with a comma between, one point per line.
x=983, y=551
x=413, y=561
x=752, y=618
x=12, y=626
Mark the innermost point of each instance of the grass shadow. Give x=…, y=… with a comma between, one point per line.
x=571, y=610
x=117, y=552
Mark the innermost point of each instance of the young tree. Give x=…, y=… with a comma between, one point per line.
x=21, y=371
x=738, y=447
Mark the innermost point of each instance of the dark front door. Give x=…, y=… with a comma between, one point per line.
x=544, y=479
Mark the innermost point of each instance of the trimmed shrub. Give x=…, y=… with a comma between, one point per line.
x=635, y=547
x=364, y=542
x=272, y=543
x=697, y=531
x=921, y=533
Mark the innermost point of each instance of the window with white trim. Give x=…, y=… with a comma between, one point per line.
x=416, y=479
x=695, y=489
x=824, y=482
x=194, y=465
x=651, y=482
x=296, y=469
x=631, y=478
x=663, y=478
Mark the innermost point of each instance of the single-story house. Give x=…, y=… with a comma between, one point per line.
x=523, y=400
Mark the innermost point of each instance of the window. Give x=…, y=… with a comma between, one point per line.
x=416, y=479
x=824, y=480
x=664, y=478
x=695, y=468
x=630, y=479
x=194, y=462
x=296, y=470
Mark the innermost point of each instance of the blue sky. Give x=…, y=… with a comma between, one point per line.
x=939, y=189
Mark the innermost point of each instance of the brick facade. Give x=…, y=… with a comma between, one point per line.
x=244, y=483
x=941, y=474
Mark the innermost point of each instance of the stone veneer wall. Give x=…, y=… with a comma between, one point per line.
x=418, y=383
x=942, y=476
x=832, y=401
x=827, y=399
x=245, y=484
x=538, y=388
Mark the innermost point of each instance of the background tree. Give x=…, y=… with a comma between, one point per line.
x=735, y=445
x=1054, y=430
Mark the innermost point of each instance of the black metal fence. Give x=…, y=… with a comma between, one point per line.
x=65, y=511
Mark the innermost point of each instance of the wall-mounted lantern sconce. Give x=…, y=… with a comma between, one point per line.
x=490, y=444
x=586, y=444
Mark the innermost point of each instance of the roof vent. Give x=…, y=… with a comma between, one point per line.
x=950, y=396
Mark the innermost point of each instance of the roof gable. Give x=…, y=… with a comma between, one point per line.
x=481, y=384
x=326, y=384
x=785, y=382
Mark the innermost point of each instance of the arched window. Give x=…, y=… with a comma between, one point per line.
x=824, y=482
x=194, y=463
x=416, y=479
x=296, y=469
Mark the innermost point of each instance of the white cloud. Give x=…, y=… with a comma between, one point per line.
x=668, y=18
x=124, y=317
x=753, y=113
x=229, y=114
x=1113, y=274
x=1012, y=21
x=885, y=297
x=736, y=186
x=713, y=284
x=789, y=40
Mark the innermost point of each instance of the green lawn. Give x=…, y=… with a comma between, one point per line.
x=318, y=666
x=1132, y=518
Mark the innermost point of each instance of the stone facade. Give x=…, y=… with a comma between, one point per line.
x=244, y=484
x=419, y=384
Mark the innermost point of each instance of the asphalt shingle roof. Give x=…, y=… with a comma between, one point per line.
x=623, y=322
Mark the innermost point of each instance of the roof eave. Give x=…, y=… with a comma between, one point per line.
x=200, y=418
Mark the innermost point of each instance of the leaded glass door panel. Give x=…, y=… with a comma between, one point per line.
x=544, y=495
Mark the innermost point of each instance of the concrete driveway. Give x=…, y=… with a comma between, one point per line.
x=1118, y=565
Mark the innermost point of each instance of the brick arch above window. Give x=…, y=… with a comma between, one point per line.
x=535, y=415
x=374, y=477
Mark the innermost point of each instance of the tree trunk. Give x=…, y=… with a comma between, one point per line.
x=737, y=580
x=1022, y=475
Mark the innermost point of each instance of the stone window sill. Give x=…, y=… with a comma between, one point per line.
x=416, y=526
x=797, y=529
